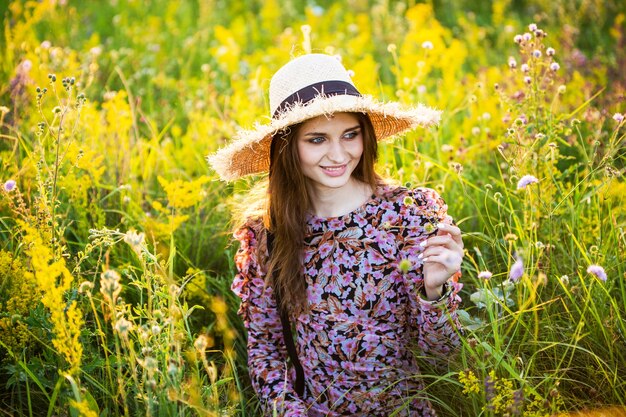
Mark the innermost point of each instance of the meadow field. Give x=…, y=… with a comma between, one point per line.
x=116, y=254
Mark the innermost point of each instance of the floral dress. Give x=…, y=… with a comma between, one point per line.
x=364, y=285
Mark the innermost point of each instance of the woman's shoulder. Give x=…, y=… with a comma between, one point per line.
x=250, y=230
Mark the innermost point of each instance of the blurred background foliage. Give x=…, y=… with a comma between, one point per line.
x=108, y=110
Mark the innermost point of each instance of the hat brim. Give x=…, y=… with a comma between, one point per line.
x=249, y=153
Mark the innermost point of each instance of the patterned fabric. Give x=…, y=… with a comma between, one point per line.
x=365, y=316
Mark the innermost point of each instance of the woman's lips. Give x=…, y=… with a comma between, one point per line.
x=334, y=171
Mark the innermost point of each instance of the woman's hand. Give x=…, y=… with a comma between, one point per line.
x=442, y=257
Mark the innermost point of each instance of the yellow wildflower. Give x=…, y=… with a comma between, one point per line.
x=182, y=194
x=54, y=279
x=470, y=382
x=18, y=296
x=83, y=409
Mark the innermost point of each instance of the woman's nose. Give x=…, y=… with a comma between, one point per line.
x=336, y=152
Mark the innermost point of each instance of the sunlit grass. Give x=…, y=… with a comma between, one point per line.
x=107, y=113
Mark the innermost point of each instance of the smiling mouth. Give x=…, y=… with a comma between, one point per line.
x=334, y=168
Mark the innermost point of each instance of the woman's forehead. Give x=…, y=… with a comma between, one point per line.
x=335, y=121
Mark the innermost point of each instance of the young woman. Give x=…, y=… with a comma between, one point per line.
x=363, y=273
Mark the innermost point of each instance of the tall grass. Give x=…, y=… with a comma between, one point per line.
x=116, y=258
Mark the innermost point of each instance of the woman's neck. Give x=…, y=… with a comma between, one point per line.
x=336, y=202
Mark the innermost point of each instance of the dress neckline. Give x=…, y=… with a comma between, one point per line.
x=381, y=190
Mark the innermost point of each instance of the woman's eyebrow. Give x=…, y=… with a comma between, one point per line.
x=315, y=134
x=324, y=133
x=352, y=128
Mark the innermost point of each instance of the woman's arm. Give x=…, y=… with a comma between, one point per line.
x=266, y=348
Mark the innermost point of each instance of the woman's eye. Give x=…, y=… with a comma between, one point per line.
x=316, y=140
x=351, y=135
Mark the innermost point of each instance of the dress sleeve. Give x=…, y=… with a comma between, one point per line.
x=435, y=322
x=267, y=354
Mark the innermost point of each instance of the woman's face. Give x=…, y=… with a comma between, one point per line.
x=330, y=148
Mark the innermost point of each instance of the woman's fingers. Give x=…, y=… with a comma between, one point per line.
x=446, y=240
x=452, y=230
x=449, y=262
x=442, y=255
x=445, y=248
x=432, y=251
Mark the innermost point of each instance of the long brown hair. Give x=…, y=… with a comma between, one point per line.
x=288, y=201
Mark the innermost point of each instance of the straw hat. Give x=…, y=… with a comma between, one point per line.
x=306, y=87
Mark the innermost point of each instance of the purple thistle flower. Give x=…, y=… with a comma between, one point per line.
x=555, y=66
x=525, y=68
x=527, y=36
x=485, y=275
x=618, y=117
x=517, y=270
x=532, y=27
x=512, y=62
x=550, y=51
x=525, y=181
x=517, y=38
x=537, y=53
x=26, y=65
x=518, y=401
x=598, y=271
x=10, y=186
x=490, y=392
